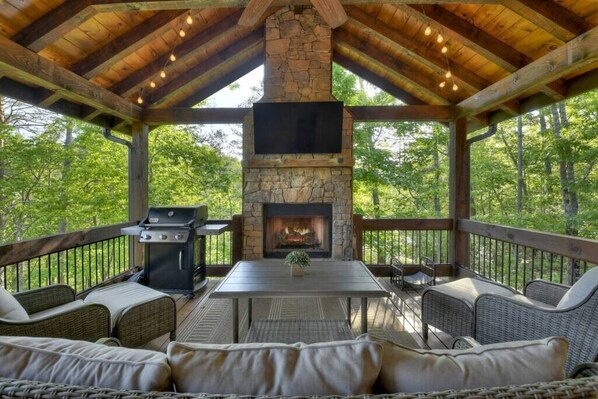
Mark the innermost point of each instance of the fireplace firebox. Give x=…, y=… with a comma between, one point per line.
x=288, y=227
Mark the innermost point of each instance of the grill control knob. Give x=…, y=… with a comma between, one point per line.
x=163, y=236
x=179, y=236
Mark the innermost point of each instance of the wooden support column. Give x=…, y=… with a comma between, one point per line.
x=138, y=183
x=459, y=191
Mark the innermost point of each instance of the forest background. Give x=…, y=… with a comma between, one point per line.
x=537, y=171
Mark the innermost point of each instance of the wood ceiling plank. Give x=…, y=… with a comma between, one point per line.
x=126, y=44
x=16, y=61
x=424, y=84
x=555, y=19
x=54, y=24
x=376, y=80
x=578, y=52
x=253, y=12
x=172, y=87
x=128, y=84
x=331, y=11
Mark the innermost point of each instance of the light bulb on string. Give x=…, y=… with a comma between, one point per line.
x=442, y=84
x=455, y=87
x=448, y=74
x=444, y=49
x=139, y=99
x=163, y=74
x=189, y=19
x=172, y=57
x=439, y=38
x=152, y=84
x=182, y=33
x=428, y=30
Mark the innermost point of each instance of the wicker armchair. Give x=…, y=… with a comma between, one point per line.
x=499, y=318
x=54, y=312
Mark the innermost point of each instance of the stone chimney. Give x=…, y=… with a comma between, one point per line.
x=298, y=68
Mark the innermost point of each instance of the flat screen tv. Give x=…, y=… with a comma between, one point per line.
x=298, y=128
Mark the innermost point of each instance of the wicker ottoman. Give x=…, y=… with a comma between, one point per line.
x=138, y=313
x=449, y=307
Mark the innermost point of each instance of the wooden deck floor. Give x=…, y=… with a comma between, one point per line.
x=407, y=303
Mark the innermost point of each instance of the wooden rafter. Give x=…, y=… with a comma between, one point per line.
x=140, y=35
x=180, y=116
x=550, y=16
x=483, y=43
x=377, y=80
x=580, y=51
x=439, y=113
x=55, y=24
x=253, y=12
x=226, y=26
x=331, y=11
x=423, y=84
x=23, y=64
x=170, y=90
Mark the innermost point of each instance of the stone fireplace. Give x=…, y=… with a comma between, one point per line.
x=278, y=188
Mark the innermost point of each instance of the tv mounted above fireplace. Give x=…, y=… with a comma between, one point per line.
x=298, y=127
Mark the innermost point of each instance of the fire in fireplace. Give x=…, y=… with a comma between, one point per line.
x=288, y=227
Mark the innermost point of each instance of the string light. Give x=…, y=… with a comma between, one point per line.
x=152, y=84
x=140, y=98
x=442, y=84
x=163, y=74
x=439, y=38
x=182, y=33
x=455, y=87
x=428, y=30
x=189, y=19
x=444, y=49
x=172, y=57
x=448, y=74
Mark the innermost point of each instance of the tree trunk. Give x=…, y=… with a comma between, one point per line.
x=2, y=168
x=66, y=165
x=519, y=164
x=376, y=201
x=436, y=179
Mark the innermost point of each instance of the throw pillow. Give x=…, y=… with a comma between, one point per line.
x=65, y=361
x=10, y=308
x=509, y=363
x=580, y=290
x=330, y=368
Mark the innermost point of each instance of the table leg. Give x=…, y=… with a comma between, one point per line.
x=249, y=307
x=235, y=320
x=349, y=311
x=364, y=315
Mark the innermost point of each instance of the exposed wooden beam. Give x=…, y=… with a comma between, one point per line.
x=170, y=89
x=424, y=84
x=550, y=16
x=331, y=11
x=228, y=25
x=483, y=43
x=186, y=116
x=223, y=81
x=137, y=37
x=438, y=113
x=23, y=64
x=577, y=53
x=376, y=80
x=253, y=12
x=48, y=100
x=55, y=24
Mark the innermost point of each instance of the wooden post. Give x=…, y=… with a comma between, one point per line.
x=138, y=184
x=358, y=236
x=459, y=191
x=237, y=231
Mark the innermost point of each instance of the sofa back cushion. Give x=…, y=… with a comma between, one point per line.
x=83, y=363
x=332, y=368
x=10, y=308
x=580, y=290
x=509, y=363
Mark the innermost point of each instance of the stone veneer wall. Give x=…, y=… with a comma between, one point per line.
x=298, y=67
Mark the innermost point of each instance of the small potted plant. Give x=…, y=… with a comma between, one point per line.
x=298, y=260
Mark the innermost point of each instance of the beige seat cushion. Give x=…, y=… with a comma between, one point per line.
x=83, y=363
x=509, y=363
x=468, y=289
x=10, y=308
x=118, y=297
x=57, y=310
x=580, y=290
x=334, y=368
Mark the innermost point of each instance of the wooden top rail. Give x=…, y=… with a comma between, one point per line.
x=29, y=249
x=571, y=247
x=407, y=224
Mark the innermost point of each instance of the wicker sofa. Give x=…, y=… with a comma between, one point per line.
x=199, y=370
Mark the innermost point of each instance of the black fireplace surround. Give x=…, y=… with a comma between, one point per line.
x=289, y=227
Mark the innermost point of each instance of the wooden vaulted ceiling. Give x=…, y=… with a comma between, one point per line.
x=91, y=58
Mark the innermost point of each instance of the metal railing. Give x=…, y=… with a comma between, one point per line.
x=81, y=259
x=219, y=248
x=380, y=240
x=515, y=256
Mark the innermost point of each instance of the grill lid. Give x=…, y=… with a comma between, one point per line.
x=175, y=216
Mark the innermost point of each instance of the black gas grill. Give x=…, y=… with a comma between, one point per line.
x=175, y=255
